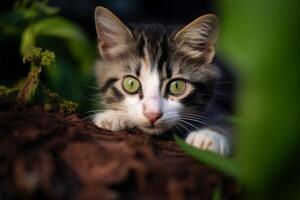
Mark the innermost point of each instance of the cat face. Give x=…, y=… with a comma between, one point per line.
x=152, y=74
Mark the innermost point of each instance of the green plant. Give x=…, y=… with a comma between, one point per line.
x=35, y=24
x=37, y=59
x=260, y=38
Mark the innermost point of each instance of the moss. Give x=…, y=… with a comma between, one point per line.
x=58, y=104
x=68, y=107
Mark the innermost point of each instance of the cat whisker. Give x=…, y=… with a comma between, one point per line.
x=178, y=129
x=181, y=125
x=94, y=100
x=198, y=118
x=190, y=124
x=95, y=111
x=92, y=87
x=88, y=117
x=199, y=122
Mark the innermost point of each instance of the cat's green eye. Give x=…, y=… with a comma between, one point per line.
x=177, y=87
x=131, y=85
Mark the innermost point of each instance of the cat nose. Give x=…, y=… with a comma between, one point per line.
x=153, y=116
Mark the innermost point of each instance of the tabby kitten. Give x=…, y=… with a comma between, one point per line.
x=159, y=79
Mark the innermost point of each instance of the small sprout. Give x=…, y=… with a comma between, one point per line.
x=28, y=89
x=68, y=107
x=57, y=103
x=37, y=59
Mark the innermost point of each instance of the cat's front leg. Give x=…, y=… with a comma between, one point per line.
x=211, y=140
x=112, y=120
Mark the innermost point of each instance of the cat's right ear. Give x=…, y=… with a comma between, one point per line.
x=113, y=36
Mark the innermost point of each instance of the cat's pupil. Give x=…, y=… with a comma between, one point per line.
x=176, y=85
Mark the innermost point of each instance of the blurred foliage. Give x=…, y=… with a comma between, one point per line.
x=217, y=195
x=35, y=24
x=261, y=39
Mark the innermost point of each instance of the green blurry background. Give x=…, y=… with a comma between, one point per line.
x=262, y=39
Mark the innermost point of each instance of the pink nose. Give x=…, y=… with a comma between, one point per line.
x=153, y=117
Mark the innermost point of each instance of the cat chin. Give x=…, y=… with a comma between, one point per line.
x=154, y=130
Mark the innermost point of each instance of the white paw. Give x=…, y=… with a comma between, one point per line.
x=209, y=140
x=111, y=120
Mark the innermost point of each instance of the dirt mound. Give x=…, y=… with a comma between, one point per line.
x=46, y=156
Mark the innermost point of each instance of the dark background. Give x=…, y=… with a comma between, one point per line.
x=136, y=11
x=82, y=13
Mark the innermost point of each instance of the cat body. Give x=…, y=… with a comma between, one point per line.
x=159, y=79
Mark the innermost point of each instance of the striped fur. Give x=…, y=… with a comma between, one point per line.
x=155, y=55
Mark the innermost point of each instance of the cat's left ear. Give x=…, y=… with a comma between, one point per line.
x=198, y=38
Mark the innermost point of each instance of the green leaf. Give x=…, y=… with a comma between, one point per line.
x=28, y=41
x=220, y=163
x=262, y=39
x=217, y=195
x=58, y=27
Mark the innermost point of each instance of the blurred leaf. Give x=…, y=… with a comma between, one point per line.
x=25, y=13
x=28, y=41
x=217, y=195
x=262, y=38
x=59, y=27
x=14, y=22
x=220, y=163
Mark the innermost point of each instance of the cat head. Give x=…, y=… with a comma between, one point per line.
x=154, y=75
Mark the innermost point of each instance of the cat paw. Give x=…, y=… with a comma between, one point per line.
x=209, y=140
x=111, y=121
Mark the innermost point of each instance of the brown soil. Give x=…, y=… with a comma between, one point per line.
x=46, y=156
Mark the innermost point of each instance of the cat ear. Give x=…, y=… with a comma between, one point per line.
x=198, y=38
x=113, y=36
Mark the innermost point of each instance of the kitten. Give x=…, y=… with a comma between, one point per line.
x=159, y=79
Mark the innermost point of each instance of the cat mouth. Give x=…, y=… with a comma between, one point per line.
x=154, y=129
x=154, y=126
x=151, y=126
